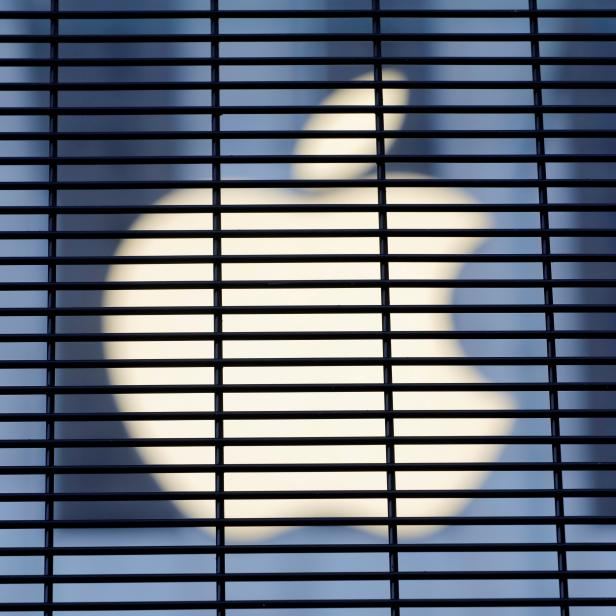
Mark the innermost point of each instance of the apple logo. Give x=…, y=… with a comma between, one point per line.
x=328, y=400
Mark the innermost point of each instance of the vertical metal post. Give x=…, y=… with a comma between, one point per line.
x=50, y=401
x=548, y=298
x=390, y=455
x=219, y=457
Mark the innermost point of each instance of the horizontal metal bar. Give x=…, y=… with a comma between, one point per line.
x=309, y=387
x=59, y=364
x=311, y=233
x=302, y=414
x=71, y=390
x=336, y=576
x=495, y=334
x=252, y=85
x=313, y=548
x=305, y=13
x=129, y=497
x=312, y=61
x=274, y=37
x=323, y=258
x=288, y=604
x=296, y=158
x=415, y=283
x=521, y=520
x=6, y=210
x=206, y=135
x=372, y=467
x=317, y=309
x=70, y=110
x=323, y=183
x=304, y=441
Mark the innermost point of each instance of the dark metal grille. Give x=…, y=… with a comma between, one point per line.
x=279, y=336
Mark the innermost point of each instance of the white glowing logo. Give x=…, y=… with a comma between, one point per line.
x=306, y=348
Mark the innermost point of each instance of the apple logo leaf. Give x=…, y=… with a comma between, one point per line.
x=351, y=122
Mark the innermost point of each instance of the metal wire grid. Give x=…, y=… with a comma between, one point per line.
x=559, y=520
